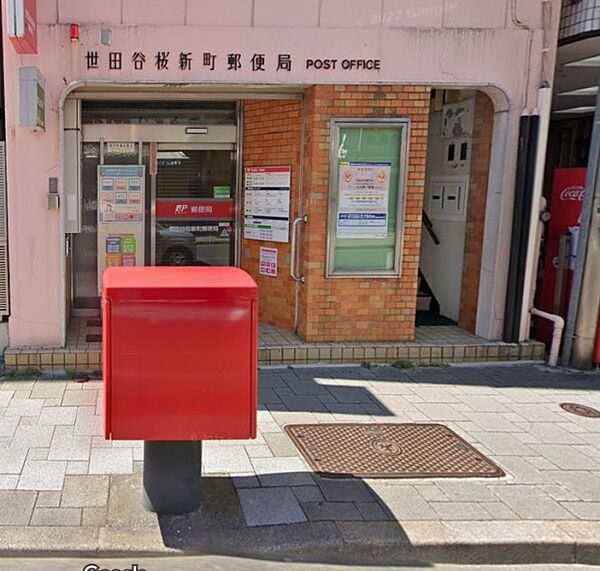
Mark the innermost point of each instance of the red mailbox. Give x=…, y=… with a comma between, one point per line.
x=179, y=356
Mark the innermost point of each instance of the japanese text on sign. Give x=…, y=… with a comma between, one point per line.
x=267, y=203
x=268, y=262
x=187, y=61
x=363, y=206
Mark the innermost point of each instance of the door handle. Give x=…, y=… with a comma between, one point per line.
x=295, y=224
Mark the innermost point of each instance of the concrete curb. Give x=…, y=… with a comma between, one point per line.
x=371, y=543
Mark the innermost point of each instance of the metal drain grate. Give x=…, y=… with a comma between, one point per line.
x=390, y=451
x=580, y=409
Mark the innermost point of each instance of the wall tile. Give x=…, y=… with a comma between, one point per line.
x=287, y=13
x=76, y=11
x=341, y=13
x=221, y=13
x=413, y=13
x=161, y=12
x=475, y=14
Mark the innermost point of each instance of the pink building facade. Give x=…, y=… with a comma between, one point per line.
x=246, y=50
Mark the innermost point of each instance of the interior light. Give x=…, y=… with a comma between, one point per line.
x=593, y=61
x=593, y=90
x=578, y=110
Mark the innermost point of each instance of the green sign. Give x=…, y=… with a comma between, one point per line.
x=128, y=245
x=221, y=191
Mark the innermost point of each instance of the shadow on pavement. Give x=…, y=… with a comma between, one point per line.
x=331, y=520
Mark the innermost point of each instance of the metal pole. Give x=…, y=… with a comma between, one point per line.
x=585, y=292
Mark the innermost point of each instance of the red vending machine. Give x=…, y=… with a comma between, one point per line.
x=561, y=246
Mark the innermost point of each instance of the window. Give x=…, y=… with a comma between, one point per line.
x=367, y=189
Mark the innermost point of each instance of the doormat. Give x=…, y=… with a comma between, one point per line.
x=94, y=323
x=580, y=410
x=93, y=338
x=390, y=451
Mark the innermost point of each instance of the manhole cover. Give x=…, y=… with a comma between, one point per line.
x=390, y=451
x=580, y=409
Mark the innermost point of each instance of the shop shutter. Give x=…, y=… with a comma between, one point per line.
x=4, y=309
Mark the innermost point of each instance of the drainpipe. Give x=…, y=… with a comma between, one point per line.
x=559, y=324
x=533, y=241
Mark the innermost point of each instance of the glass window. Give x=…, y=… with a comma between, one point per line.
x=367, y=187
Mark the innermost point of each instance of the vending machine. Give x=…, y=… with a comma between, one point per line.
x=561, y=246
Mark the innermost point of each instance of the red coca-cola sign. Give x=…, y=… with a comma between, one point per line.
x=575, y=192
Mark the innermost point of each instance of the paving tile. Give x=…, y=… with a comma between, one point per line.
x=272, y=506
x=94, y=517
x=584, y=510
x=372, y=511
x=79, y=398
x=42, y=475
x=85, y=491
x=585, y=485
x=111, y=461
x=16, y=507
x=491, y=421
x=57, y=415
x=48, y=499
x=32, y=436
x=551, y=433
x=260, y=451
x=5, y=397
x=282, y=472
x=331, y=511
x=24, y=407
x=341, y=490
x=248, y=481
x=88, y=424
x=226, y=459
x=530, y=503
x=280, y=444
x=466, y=491
x=461, y=511
x=8, y=426
x=77, y=467
x=499, y=511
x=308, y=494
x=566, y=457
x=48, y=389
x=56, y=517
x=440, y=412
x=37, y=454
x=9, y=481
x=11, y=461
x=65, y=446
x=502, y=444
x=404, y=502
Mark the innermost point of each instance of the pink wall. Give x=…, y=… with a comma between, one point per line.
x=433, y=42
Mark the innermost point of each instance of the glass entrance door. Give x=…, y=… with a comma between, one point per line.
x=189, y=210
x=194, y=211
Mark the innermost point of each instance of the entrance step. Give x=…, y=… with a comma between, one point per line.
x=424, y=351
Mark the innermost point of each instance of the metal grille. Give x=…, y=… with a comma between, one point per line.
x=390, y=451
x=579, y=17
x=580, y=410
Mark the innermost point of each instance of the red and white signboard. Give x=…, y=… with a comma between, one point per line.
x=22, y=25
x=268, y=262
x=221, y=209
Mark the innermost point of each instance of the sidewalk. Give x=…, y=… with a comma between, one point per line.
x=64, y=489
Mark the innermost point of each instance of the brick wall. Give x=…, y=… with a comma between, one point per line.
x=480, y=167
x=272, y=137
x=360, y=309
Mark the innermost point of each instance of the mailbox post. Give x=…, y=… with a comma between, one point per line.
x=179, y=367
